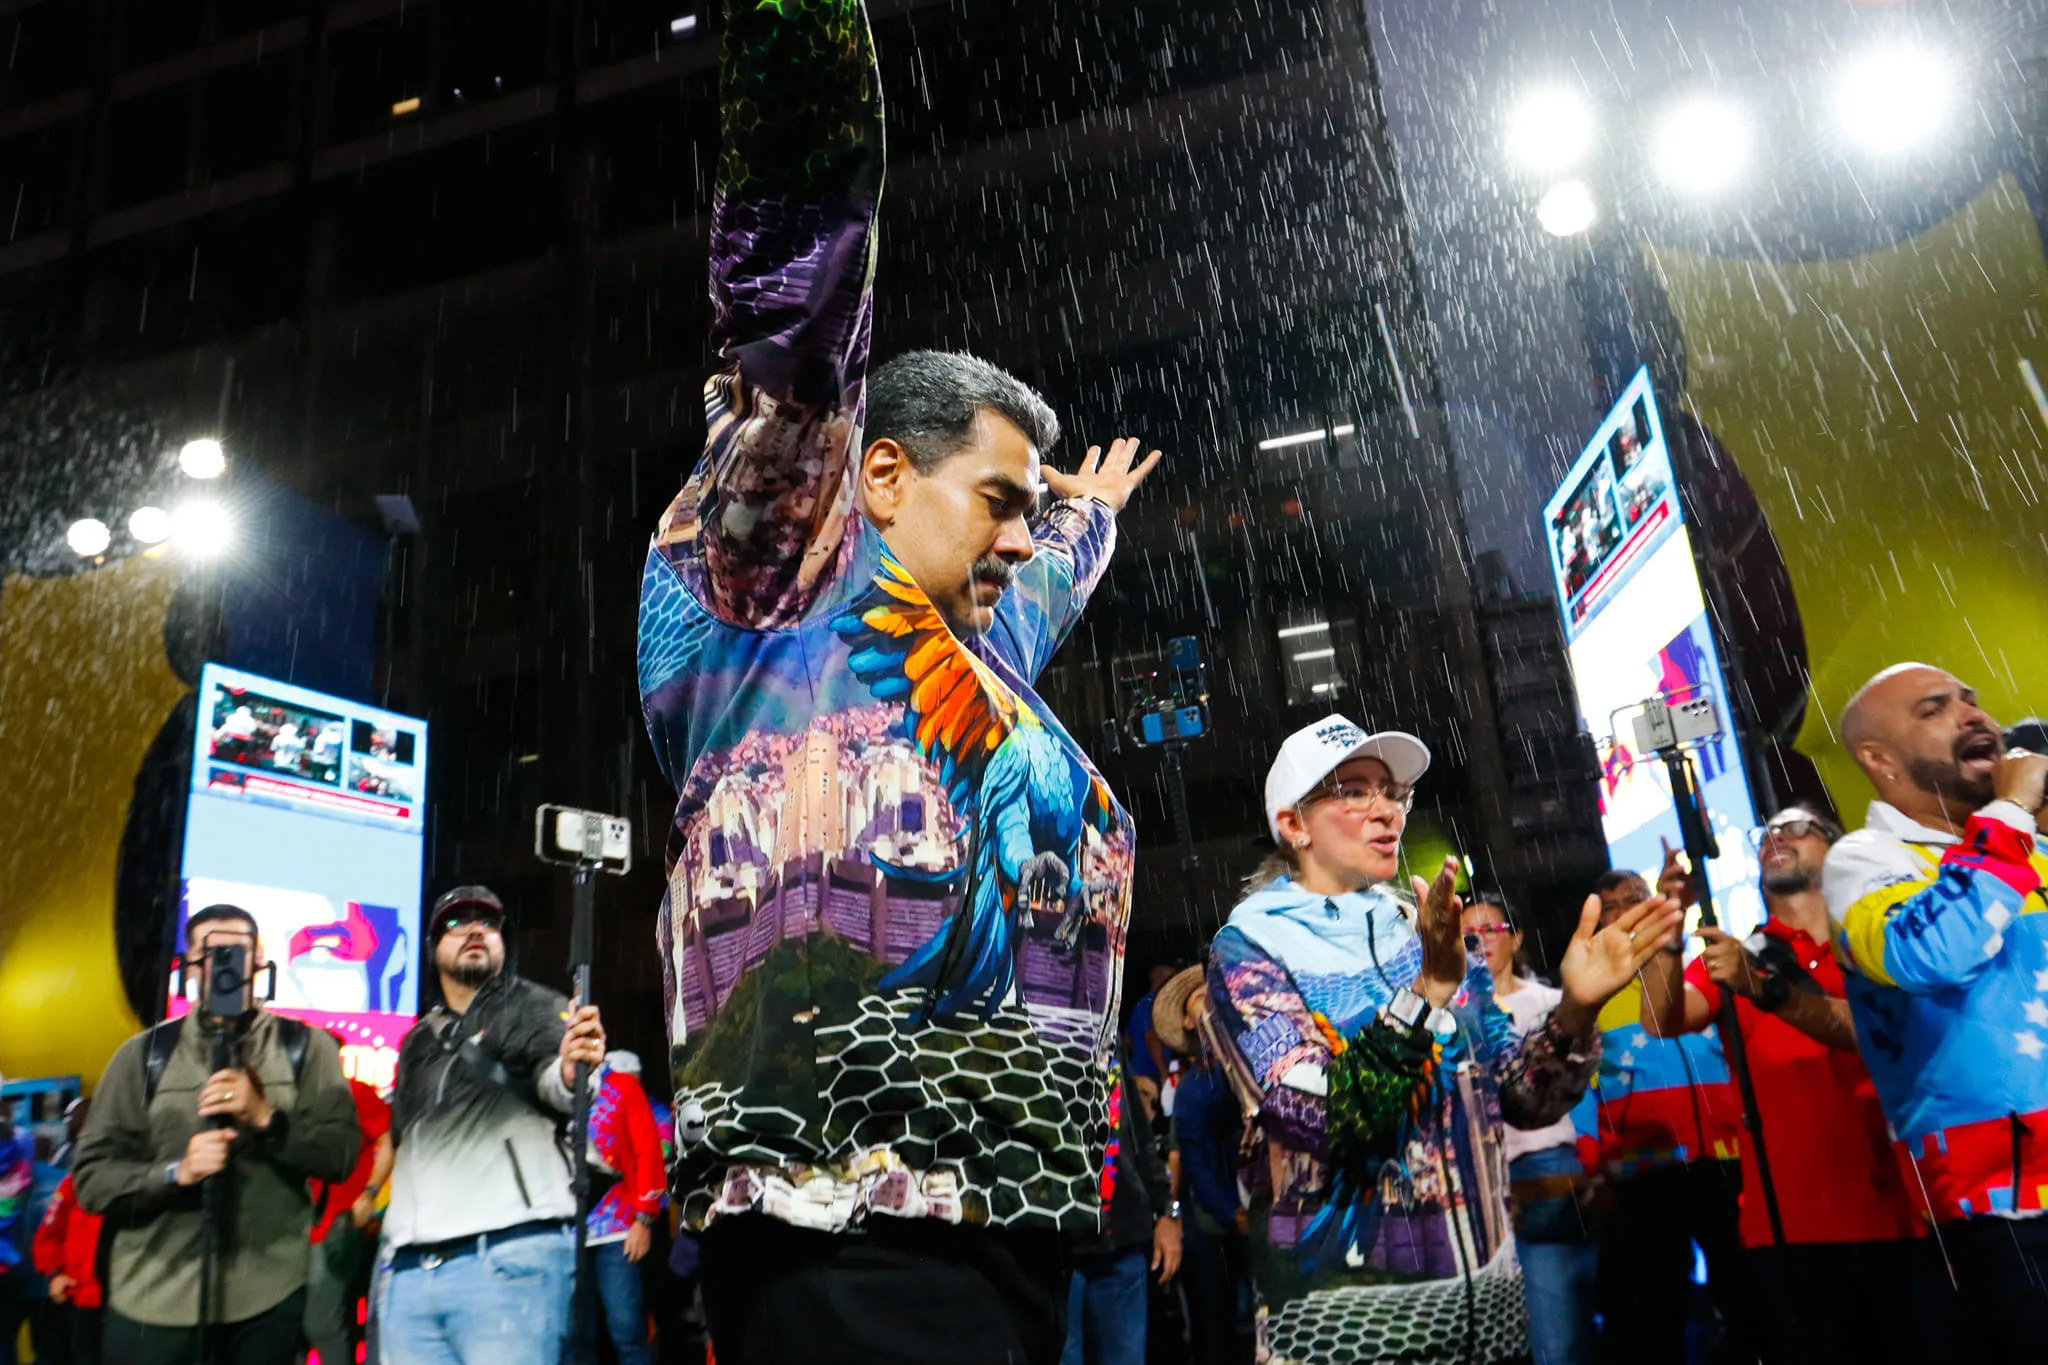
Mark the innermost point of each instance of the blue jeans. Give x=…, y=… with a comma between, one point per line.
x=1106, y=1310
x=506, y=1303
x=620, y=1302
x=1558, y=1277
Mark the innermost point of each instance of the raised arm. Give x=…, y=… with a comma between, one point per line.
x=1903, y=920
x=762, y=518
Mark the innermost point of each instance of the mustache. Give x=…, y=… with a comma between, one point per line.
x=991, y=569
x=1975, y=732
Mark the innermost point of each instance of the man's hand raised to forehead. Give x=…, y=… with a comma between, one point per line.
x=1109, y=479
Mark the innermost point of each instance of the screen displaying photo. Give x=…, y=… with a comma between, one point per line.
x=307, y=811
x=1636, y=623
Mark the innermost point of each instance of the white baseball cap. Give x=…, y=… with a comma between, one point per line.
x=1315, y=751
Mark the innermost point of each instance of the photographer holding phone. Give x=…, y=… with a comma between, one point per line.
x=166, y=1122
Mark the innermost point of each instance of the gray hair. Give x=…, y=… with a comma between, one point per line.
x=925, y=401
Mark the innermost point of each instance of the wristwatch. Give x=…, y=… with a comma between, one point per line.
x=1172, y=1210
x=1407, y=1010
x=171, y=1173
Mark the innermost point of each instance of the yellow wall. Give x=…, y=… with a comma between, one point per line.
x=84, y=688
x=1889, y=435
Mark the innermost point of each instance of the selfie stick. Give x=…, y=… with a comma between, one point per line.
x=1701, y=845
x=214, y=1193
x=582, y=942
x=587, y=842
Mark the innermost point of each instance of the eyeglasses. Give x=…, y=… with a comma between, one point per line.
x=1494, y=930
x=1785, y=829
x=488, y=920
x=1360, y=796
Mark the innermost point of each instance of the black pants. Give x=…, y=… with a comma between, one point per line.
x=901, y=1292
x=269, y=1338
x=1858, y=1303
x=2001, y=1268
x=1645, y=1278
x=1216, y=1281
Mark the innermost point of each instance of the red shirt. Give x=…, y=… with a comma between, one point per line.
x=1831, y=1155
x=374, y=1117
x=67, y=1243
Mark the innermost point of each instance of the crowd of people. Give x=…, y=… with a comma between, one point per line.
x=1360, y=1129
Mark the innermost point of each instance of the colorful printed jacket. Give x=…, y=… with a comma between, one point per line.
x=627, y=1143
x=897, y=889
x=1291, y=976
x=1945, y=952
x=1663, y=1101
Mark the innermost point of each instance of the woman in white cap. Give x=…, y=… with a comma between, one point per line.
x=1365, y=1036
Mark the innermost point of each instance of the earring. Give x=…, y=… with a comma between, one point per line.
x=1301, y=843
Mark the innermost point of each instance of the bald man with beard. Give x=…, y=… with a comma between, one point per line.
x=1936, y=905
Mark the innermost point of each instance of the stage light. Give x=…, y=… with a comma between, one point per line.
x=89, y=536
x=1310, y=655
x=148, y=525
x=1567, y=209
x=1550, y=130
x=1892, y=100
x=409, y=105
x=203, y=458
x=683, y=25
x=202, y=529
x=1312, y=628
x=1702, y=145
x=1299, y=438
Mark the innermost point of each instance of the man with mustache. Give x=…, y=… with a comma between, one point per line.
x=1936, y=908
x=897, y=887
x=1841, y=1198
x=479, y=1248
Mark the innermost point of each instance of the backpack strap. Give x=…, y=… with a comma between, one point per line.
x=157, y=1046
x=296, y=1035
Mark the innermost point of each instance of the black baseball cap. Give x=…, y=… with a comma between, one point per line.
x=463, y=905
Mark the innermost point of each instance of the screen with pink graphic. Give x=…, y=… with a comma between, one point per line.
x=306, y=810
x=1636, y=622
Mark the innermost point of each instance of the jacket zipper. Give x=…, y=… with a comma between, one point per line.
x=517, y=1174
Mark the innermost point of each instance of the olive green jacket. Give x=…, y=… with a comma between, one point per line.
x=121, y=1170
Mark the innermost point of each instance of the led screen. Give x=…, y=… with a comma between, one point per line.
x=306, y=810
x=1636, y=625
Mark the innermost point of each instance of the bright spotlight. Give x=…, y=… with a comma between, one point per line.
x=148, y=525
x=203, y=458
x=1702, y=145
x=1567, y=209
x=89, y=536
x=1894, y=99
x=202, y=529
x=1550, y=130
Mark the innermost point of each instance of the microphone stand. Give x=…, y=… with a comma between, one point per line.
x=1701, y=845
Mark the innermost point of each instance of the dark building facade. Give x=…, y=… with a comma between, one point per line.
x=454, y=251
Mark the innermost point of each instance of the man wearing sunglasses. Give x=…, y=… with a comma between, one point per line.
x=479, y=1240
x=1846, y=1214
